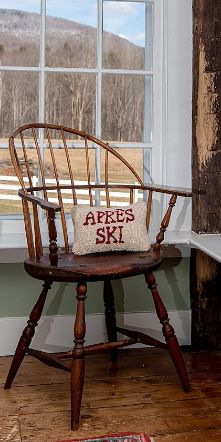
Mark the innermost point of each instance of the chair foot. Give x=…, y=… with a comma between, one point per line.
x=77, y=382
x=27, y=335
x=16, y=362
x=168, y=332
x=178, y=361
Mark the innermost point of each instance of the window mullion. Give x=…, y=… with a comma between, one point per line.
x=42, y=62
x=98, y=95
x=158, y=91
x=99, y=66
x=42, y=87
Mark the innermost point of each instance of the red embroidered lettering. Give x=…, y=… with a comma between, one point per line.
x=89, y=217
x=109, y=214
x=100, y=216
x=110, y=235
x=120, y=215
x=130, y=214
x=100, y=233
x=120, y=234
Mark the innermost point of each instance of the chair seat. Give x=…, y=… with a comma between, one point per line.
x=94, y=267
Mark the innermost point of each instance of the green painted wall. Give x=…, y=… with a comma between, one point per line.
x=19, y=291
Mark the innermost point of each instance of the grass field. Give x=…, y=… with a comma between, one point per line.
x=118, y=173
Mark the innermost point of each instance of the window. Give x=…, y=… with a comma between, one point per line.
x=119, y=69
x=95, y=65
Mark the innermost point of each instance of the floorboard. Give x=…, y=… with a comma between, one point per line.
x=144, y=395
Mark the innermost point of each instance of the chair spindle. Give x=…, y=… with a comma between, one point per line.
x=69, y=167
x=106, y=179
x=131, y=195
x=149, y=206
x=88, y=171
x=63, y=222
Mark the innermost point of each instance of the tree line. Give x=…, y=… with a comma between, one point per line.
x=70, y=98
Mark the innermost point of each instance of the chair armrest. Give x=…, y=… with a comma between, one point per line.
x=46, y=205
x=179, y=191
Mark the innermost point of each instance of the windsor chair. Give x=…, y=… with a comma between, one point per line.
x=36, y=151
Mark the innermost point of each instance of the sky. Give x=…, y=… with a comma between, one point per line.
x=126, y=19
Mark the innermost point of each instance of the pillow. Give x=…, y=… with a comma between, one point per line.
x=98, y=229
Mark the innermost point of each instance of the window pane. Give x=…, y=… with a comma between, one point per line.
x=10, y=203
x=18, y=106
x=123, y=108
x=18, y=100
x=70, y=100
x=124, y=36
x=71, y=33
x=79, y=170
x=78, y=163
x=119, y=173
x=19, y=33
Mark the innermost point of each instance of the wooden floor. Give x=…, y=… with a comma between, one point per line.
x=144, y=396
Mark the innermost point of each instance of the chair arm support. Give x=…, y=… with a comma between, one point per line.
x=174, y=192
x=165, y=222
x=46, y=205
x=51, y=208
x=53, y=247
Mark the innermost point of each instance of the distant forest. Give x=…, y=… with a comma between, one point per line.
x=70, y=98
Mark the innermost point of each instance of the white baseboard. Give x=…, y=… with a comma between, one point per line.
x=55, y=333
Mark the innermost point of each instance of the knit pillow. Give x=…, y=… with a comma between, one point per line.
x=98, y=229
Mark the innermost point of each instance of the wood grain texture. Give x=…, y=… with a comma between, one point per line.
x=206, y=158
x=206, y=169
x=94, y=267
x=144, y=395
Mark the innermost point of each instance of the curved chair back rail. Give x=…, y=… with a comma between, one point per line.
x=34, y=150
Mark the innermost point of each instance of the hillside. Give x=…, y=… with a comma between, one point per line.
x=20, y=28
x=20, y=31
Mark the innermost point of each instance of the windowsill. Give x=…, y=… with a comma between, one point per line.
x=207, y=243
x=13, y=246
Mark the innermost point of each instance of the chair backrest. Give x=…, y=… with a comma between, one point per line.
x=58, y=164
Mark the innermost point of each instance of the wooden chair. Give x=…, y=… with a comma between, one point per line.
x=31, y=148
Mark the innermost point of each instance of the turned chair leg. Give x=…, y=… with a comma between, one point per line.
x=168, y=332
x=27, y=335
x=110, y=319
x=78, y=363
